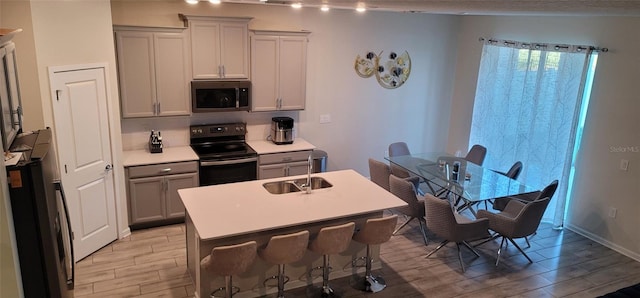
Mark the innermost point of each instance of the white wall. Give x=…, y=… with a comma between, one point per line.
x=366, y=118
x=611, y=129
x=76, y=33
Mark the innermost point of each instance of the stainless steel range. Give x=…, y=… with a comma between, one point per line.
x=224, y=155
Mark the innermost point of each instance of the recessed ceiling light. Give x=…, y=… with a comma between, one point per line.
x=361, y=7
x=324, y=7
x=192, y=1
x=296, y=5
x=214, y=1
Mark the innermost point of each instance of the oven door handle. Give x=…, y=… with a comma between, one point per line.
x=227, y=162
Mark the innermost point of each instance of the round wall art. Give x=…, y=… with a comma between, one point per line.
x=391, y=70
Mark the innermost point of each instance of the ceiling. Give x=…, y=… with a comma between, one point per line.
x=483, y=7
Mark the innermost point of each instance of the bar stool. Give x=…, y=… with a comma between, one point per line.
x=331, y=240
x=375, y=231
x=284, y=249
x=228, y=261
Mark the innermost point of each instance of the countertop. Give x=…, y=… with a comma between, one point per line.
x=170, y=154
x=266, y=147
x=219, y=211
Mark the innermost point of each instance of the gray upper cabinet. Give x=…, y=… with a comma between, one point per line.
x=153, y=71
x=278, y=70
x=219, y=47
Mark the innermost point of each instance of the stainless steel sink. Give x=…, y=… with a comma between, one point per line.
x=288, y=186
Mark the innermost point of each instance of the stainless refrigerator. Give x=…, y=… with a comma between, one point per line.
x=40, y=219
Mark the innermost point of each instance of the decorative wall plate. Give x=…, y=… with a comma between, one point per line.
x=395, y=71
x=366, y=67
x=390, y=74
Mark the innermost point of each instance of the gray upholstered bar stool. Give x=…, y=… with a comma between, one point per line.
x=375, y=231
x=331, y=240
x=228, y=261
x=284, y=249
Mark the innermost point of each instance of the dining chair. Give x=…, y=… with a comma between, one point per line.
x=476, y=154
x=513, y=173
x=452, y=227
x=518, y=220
x=379, y=173
x=400, y=149
x=548, y=191
x=406, y=191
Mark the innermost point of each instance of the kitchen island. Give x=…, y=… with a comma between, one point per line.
x=237, y=212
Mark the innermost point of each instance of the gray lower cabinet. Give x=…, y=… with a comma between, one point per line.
x=283, y=164
x=152, y=191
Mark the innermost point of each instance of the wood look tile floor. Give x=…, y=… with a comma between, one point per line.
x=152, y=263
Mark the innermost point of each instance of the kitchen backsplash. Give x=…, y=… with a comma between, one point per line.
x=175, y=130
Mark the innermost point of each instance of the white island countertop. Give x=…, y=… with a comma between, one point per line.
x=267, y=147
x=224, y=210
x=170, y=154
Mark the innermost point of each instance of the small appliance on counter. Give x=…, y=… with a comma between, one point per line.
x=282, y=130
x=155, y=142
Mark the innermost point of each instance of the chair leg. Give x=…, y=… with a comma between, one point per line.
x=528, y=244
x=499, y=251
x=372, y=283
x=423, y=230
x=460, y=256
x=470, y=248
x=402, y=226
x=520, y=249
x=442, y=244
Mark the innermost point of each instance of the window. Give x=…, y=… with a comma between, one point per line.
x=529, y=106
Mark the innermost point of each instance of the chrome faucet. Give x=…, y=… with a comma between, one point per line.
x=309, y=168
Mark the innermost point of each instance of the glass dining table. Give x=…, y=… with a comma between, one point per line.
x=471, y=183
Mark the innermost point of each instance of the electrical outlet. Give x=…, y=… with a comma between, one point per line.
x=624, y=164
x=325, y=118
x=613, y=212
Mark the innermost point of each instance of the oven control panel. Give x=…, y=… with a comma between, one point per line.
x=218, y=130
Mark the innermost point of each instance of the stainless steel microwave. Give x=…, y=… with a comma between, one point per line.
x=220, y=96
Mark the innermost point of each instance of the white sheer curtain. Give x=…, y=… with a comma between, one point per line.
x=526, y=109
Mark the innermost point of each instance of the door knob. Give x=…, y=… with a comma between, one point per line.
x=108, y=167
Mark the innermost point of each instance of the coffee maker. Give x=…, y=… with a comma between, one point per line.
x=282, y=130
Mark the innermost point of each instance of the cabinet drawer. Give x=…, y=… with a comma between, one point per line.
x=163, y=169
x=266, y=159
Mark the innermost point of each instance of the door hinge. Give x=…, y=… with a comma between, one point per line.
x=58, y=95
x=73, y=236
x=65, y=169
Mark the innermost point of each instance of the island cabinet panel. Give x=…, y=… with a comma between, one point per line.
x=153, y=71
x=152, y=192
x=283, y=164
x=278, y=70
x=248, y=212
x=219, y=47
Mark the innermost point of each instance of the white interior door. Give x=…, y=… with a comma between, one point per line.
x=84, y=151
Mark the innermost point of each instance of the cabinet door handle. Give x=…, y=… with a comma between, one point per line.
x=166, y=170
x=223, y=72
x=158, y=112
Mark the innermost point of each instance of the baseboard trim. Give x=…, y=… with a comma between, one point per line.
x=604, y=242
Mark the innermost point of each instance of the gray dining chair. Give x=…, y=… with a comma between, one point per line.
x=548, y=191
x=518, y=220
x=406, y=191
x=400, y=149
x=452, y=227
x=476, y=154
x=513, y=173
x=379, y=173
